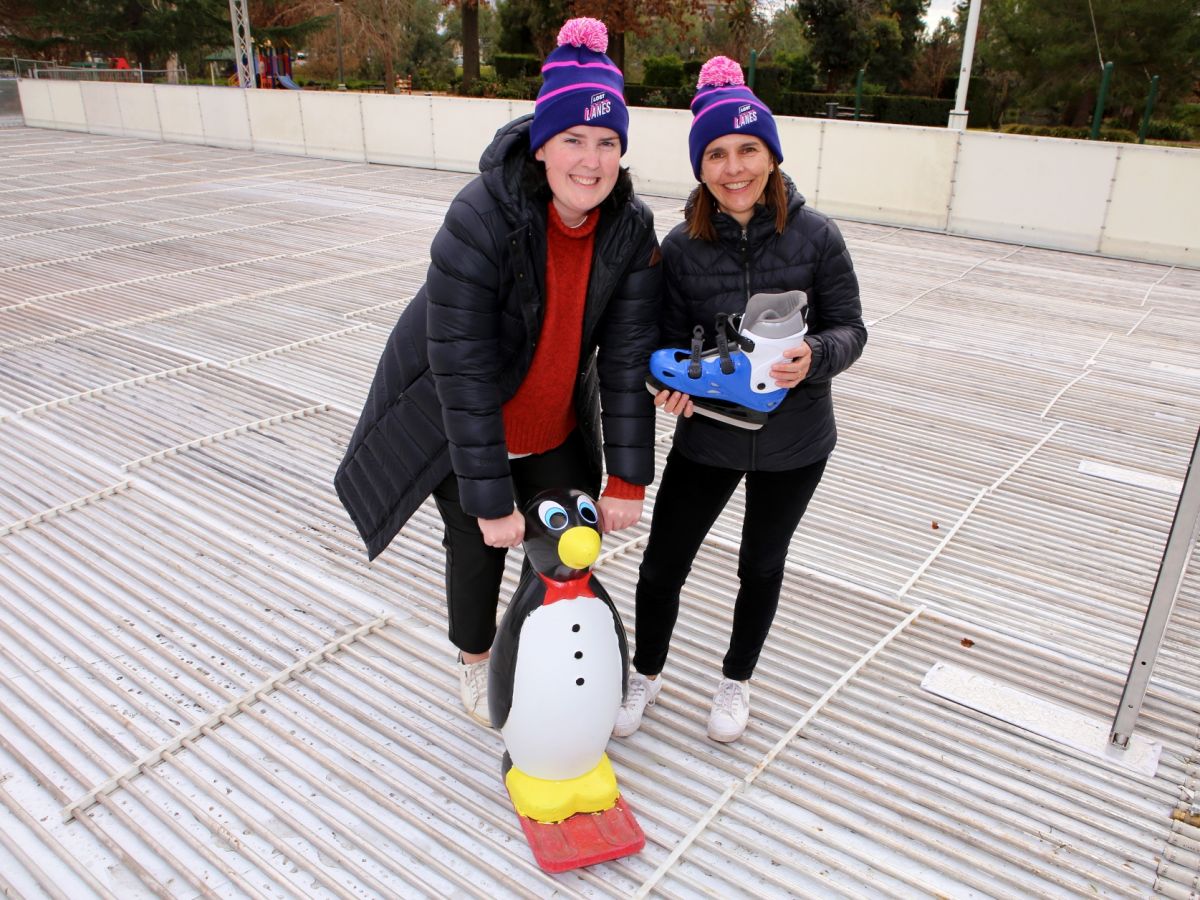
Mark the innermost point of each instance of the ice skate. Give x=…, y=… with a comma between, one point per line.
x=732, y=382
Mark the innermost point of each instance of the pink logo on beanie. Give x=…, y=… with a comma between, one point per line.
x=600, y=106
x=745, y=115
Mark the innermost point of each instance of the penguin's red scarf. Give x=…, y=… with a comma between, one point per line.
x=566, y=590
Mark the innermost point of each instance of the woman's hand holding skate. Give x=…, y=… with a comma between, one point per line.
x=675, y=402
x=616, y=514
x=508, y=531
x=790, y=374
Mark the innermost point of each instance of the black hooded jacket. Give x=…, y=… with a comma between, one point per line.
x=465, y=343
x=705, y=278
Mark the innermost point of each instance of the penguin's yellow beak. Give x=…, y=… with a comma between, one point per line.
x=579, y=547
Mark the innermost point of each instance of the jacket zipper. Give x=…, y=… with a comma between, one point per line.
x=745, y=249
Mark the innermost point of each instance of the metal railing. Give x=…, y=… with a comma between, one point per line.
x=40, y=68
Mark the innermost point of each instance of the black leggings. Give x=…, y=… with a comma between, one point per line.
x=474, y=570
x=690, y=497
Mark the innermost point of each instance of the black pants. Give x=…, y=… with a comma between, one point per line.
x=473, y=569
x=690, y=497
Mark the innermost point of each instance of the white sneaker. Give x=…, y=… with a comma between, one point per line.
x=473, y=688
x=730, y=710
x=642, y=692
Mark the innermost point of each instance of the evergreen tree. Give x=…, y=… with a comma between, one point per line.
x=145, y=33
x=1049, y=53
x=882, y=36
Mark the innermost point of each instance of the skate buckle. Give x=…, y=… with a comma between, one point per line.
x=694, y=369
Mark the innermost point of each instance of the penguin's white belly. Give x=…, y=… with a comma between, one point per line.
x=566, y=689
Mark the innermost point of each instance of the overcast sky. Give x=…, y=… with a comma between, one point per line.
x=938, y=9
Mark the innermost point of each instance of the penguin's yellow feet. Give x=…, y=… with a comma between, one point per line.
x=554, y=801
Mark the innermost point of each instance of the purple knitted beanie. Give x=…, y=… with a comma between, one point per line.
x=580, y=85
x=724, y=105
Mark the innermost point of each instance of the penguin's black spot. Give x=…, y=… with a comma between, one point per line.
x=579, y=681
x=574, y=627
x=579, y=654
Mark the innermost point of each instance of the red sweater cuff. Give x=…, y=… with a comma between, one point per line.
x=620, y=489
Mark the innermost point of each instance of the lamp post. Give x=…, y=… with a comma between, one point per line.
x=337, y=5
x=958, y=115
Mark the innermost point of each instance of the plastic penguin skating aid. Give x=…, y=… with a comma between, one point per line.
x=732, y=382
x=556, y=680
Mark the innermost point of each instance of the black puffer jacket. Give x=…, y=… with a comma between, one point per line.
x=465, y=342
x=705, y=278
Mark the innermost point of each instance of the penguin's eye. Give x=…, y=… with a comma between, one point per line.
x=587, y=510
x=553, y=515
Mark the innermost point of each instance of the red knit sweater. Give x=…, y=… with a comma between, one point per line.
x=541, y=414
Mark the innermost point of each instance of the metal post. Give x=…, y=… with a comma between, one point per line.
x=958, y=115
x=242, y=51
x=753, y=66
x=337, y=5
x=1101, y=98
x=1149, y=109
x=858, y=94
x=1182, y=538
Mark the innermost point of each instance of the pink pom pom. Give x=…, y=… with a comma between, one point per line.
x=584, y=32
x=720, y=71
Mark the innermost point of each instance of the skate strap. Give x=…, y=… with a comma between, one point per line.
x=697, y=346
x=727, y=332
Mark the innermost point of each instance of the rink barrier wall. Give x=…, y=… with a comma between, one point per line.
x=1122, y=200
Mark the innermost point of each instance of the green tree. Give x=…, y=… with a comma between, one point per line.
x=885, y=63
x=144, y=32
x=1048, y=54
x=531, y=26
x=635, y=17
x=396, y=31
x=938, y=56
x=909, y=16
x=846, y=35
x=283, y=23
x=840, y=43
x=469, y=14
x=746, y=28
x=489, y=29
x=785, y=34
x=687, y=42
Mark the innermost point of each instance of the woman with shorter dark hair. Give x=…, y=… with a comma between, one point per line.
x=533, y=328
x=747, y=231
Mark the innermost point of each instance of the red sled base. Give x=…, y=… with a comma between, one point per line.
x=584, y=839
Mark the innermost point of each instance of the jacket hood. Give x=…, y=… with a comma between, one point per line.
x=502, y=166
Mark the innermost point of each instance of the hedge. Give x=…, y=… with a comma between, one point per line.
x=875, y=107
x=664, y=71
x=1070, y=132
x=655, y=96
x=1161, y=130
x=516, y=65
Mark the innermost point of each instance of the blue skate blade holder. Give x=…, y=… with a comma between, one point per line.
x=670, y=369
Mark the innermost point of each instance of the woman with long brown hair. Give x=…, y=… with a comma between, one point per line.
x=747, y=232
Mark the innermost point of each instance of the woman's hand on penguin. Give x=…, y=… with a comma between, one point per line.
x=508, y=531
x=675, y=402
x=617, y=514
